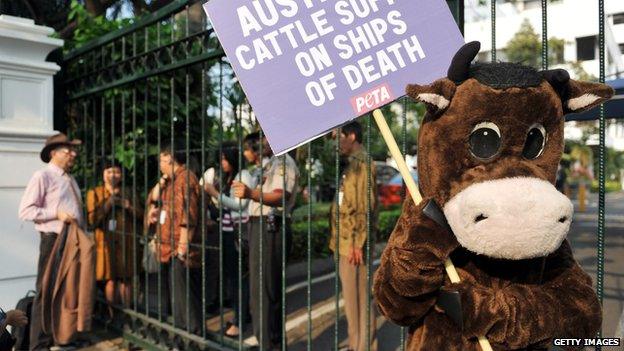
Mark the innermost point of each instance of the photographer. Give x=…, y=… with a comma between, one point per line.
x=112, y=215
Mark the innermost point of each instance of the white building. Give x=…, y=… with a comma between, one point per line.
x=574, y=21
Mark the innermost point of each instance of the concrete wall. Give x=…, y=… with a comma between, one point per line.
x=26, y=102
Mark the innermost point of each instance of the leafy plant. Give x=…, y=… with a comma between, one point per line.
x=89, y=27
x=319, y=228
x=526, y=47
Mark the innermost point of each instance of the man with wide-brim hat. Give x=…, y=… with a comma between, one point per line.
x=51, y=200
x=57, y=141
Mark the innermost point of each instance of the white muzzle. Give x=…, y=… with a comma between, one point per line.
x=510, y=218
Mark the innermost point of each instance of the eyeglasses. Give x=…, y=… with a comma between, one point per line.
x=68, y=150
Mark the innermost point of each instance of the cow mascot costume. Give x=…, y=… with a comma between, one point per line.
x=488, y=152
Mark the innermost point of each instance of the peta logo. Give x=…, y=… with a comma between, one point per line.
x=372, y=99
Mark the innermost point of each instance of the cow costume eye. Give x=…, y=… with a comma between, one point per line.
x=535, y=141
x=485, y=140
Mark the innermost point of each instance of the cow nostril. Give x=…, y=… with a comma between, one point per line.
x=479, y=218
x=563, y=219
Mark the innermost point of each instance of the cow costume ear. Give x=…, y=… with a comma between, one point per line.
x=584, y=96
x=437, y=96
x=577, y=96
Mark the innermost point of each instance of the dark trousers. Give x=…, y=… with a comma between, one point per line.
x=38, y=339
x=211, y=258
x=231, y=275
x=266, y=309
x=181, y=296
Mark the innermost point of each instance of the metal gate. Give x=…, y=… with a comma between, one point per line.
x=165, y=80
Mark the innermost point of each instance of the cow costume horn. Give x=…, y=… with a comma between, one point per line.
x=460, y=65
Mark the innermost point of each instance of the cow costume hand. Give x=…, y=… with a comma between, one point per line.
x=415, y=229
x=524, y=315
x=412, y=265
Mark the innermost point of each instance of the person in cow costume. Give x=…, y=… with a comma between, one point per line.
x=488, y=152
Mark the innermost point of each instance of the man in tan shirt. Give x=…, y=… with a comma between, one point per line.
x=279, y=183
x=352, y=231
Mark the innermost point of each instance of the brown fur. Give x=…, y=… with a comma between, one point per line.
x=444, y=159
x=517, y=305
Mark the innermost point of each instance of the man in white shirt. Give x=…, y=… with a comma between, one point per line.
x=267, y=213
x=51, y=200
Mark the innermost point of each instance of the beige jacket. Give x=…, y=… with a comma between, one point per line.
x=354, y=207
x=68, y=309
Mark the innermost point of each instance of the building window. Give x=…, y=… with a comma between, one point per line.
x=586, y=48
x=621, y=48
x=618, y=18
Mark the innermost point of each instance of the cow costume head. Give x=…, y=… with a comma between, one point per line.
x=489, y=148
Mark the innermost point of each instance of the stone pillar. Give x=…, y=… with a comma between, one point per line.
x=26, y=120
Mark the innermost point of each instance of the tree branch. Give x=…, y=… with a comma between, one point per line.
x=31, y=9
x=138, y=7
x=68, y=31
x=98, y=7
x=157, y=5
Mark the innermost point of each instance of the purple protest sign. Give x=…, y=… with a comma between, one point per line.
x=308, y=66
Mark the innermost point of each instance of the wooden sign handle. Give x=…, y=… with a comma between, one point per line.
x=413, y=190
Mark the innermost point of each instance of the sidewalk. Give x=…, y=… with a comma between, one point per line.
x=583, y=236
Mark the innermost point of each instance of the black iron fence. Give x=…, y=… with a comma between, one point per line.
x=164, y=80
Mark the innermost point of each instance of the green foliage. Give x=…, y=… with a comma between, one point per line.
x=386, y=222
x=415, y=113
x=319, y=211
x=555, y=51
x=613, y=164
x=526, y=47
x=580, y=73
x=319, y=239
x=140, y=117
x=587, y=156
x=610, y=186
x=319, y=229
x=89, y=27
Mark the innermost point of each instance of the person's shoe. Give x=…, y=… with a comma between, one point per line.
x=251, y=341
x=63, y=348
x=232, y=330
